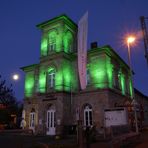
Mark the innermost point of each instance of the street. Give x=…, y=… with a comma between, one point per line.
x=8, y=140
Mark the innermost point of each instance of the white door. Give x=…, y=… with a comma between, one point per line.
x=51, y=122
x=32, y=121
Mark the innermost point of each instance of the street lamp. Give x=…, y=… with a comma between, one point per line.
x=134, y=104
x=131, y=40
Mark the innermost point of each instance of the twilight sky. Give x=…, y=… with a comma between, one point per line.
x=109, y=22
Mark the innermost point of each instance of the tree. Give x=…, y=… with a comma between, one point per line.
x=6, y=93
x=8, y=101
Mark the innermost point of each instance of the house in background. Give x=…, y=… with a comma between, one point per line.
x=53, y=99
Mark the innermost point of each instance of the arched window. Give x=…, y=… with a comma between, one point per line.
x=51, y=78
x=87, y=115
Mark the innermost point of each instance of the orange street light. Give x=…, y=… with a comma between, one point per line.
x=130, y=40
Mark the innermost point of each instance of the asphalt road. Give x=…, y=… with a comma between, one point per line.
x=15, y=141
x=21, y=141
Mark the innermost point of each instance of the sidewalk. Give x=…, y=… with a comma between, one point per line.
x=143, y=140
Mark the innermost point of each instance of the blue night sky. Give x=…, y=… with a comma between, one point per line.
x=109, y=22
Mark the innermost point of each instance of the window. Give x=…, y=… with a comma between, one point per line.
x=32, y=118
x=87, y=115
x=87, y=76
x=51, y=79
x=119, y=81
x=52, y=44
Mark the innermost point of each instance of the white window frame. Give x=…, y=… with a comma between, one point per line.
x=51, y=79
x=87, y=113
x=32, y=120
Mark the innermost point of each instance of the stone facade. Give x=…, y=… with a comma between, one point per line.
x=53, y=100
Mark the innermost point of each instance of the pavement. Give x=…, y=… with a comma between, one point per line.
x=24, y=141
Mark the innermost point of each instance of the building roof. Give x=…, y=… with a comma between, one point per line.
x=29, y=67
x=55, y=19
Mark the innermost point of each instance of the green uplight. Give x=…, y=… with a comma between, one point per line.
x=44, y=47
x=62, y=41
x=59, y=43
x=109, y=72
x=29, y=84
x=98, y=72
x=67, y=76
x=59, y=81
x=67, y=40
x=122, y=82
x=42, y=80
x=131, y=88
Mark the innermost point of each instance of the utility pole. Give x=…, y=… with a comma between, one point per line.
x=145, y=35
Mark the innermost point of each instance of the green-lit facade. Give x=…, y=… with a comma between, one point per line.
x=103, y=73
x=52, y=88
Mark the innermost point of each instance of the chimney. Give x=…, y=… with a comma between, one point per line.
x=94, y=45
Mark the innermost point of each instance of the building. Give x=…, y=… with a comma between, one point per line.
x=53, y=100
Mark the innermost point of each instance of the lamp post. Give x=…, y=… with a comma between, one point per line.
x=134, y=103
x=131, y=40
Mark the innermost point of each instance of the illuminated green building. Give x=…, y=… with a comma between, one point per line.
x=53, y=99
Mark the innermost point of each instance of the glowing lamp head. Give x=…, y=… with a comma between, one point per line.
x=130, y=39
x=15, y=77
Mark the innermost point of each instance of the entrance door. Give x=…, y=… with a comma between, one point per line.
x=51, y=122
x=32, y=121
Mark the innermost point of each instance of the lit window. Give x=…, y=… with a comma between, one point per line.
x=51, y=79
x=87, y=115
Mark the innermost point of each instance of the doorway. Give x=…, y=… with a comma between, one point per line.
x=50, y=122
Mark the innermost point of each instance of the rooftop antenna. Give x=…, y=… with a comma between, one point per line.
x=145, y=35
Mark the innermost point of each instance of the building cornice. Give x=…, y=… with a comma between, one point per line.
x=63, y=17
